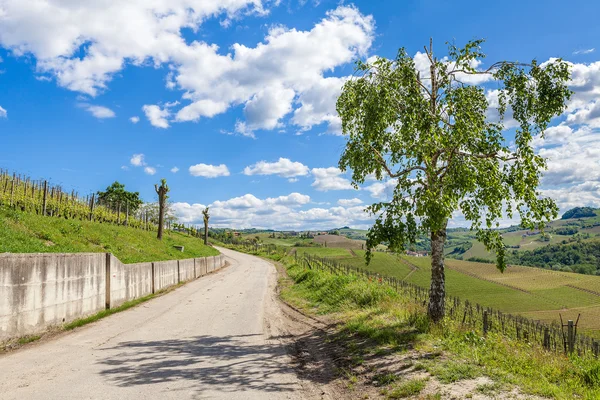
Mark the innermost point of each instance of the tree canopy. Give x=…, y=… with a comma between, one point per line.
x=116, y=194
x=440, y=138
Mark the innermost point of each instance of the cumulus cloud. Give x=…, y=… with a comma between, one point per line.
x=157, y=116
x=283, y=167
x=209, y=171
x=330, y=179
x=83, y=45
x=174, y=170
x=99, y=112
x=137, y=160
x=349, y=202
x=3, y=112
x=382, y=190
x=283, y=212
x=135, y=119
x=150, y=170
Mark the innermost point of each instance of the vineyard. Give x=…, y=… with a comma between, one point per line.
x=37, y=196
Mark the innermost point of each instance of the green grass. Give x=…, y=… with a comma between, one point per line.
x=30, y=233
x=541, y=292
x=385, y=319
x=28, y=339
x=331, y=252
x=407, y=388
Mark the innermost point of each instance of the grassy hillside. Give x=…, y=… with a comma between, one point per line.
x=30, y=233
x=385, y=344
x=533, y=292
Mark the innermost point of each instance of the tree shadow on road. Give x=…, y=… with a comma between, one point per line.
x=226, y=363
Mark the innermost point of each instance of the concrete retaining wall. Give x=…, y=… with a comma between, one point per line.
x=129, y=281
x=166, y=273
x=41, y=290
x=186, y=270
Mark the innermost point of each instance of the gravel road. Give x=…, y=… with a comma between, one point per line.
x=214, y=338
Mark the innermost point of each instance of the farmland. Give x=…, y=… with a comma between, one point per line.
x=532, y=292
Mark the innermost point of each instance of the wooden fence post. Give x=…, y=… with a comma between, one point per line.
x=570, y=336
x=485, y=322
x=44, y=200
x=546, y=338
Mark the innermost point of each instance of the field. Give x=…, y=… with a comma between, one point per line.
x=279, y=239
x=338, y=241
x=31, y=233
x=532, y=292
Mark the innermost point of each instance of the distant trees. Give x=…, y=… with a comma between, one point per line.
x=579, y=256
x=162, y=191
x=429, y=134
x=579, y=212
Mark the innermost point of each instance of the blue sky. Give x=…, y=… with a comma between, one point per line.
x=226, y=85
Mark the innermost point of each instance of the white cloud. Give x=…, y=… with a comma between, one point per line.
x=329, y=179
x=174, y=170
x=349, y=202
x=150, y=170
x=99, y=112
x=124, y=167
x=3, y=112
x=283, y=212
x=584, y=51
x=135, y=119
x=587, y=115
x=382, y=190
x=157, y=116
x=84, y=44
x=137, y=160
x=284, y=167
x=209, y=171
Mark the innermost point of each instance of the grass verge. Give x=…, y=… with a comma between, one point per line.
x=448, y=352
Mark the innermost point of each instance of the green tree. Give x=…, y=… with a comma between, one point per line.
x=430, y=132
x=162, y=191
x=116, y=196
x=206, y=217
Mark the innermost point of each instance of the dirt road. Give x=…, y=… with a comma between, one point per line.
x=205, y=340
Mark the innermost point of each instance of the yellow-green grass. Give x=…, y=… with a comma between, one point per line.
x=520, y=290
x=30, y=233
x=331, y=252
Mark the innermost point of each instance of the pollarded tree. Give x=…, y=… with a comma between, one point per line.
x=162, y=191
x=206, y=216
x=431, y=135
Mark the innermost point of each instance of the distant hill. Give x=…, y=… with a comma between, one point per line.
x=580, y=212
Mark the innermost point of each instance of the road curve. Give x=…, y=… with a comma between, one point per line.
x=205, y=340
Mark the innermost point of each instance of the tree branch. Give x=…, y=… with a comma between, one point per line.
x=382, y=162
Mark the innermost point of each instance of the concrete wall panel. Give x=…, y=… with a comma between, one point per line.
x=186, y=270
x=165, y=274
x=129, y=281
x=40, y=290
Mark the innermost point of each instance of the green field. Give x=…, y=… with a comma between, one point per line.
x=31, y=233
x=533, y=292
x=279, y=239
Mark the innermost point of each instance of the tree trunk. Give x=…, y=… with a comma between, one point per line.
x=206, y=233
x=161, y=215
x=437, y=292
